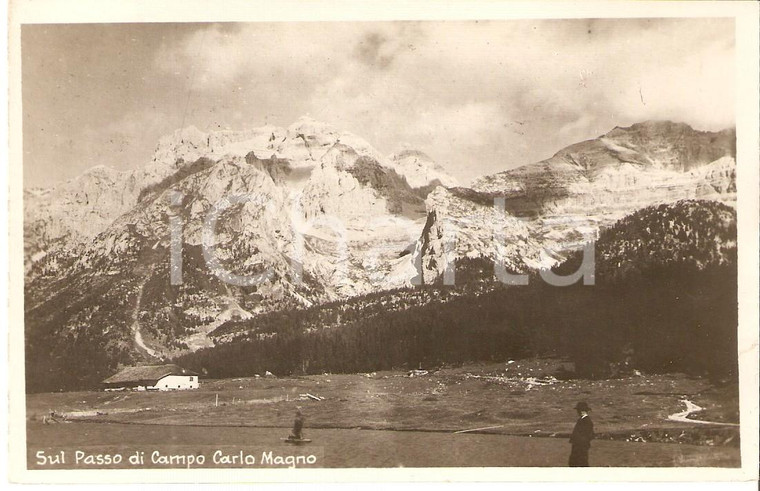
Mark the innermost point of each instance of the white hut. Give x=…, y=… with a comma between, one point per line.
x=152, y=377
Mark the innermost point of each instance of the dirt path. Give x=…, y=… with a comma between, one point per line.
x=139, y=342
x=683, y=416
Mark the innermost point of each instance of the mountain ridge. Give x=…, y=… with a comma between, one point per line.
x=100, y=195
x=324, y=216
x=564, y=200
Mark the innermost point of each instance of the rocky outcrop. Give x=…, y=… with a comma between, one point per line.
x=461, y=224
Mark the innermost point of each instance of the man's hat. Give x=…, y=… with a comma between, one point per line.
x=582, y=406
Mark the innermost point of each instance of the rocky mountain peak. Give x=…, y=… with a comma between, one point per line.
x=420, y=170
x=652, y=127
x=311, y=135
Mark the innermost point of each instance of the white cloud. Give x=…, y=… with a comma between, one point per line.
x=216, y=56
x=478, y=97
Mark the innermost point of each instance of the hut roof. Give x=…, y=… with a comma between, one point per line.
x=146, y=373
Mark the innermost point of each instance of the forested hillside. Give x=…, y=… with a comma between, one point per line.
x=664, y=300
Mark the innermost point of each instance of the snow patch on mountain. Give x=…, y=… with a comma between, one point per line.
x=420, y=170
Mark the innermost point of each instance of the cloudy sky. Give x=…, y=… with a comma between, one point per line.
x=478, y=97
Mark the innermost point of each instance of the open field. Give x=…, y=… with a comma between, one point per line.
x=506, y=399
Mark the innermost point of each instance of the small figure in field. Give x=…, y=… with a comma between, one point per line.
x=298, y=426
x=581, y=438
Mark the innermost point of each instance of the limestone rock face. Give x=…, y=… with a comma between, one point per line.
x=564, y=201
x=294, y=217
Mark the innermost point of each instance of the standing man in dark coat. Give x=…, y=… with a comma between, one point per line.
x=298, y=425
x=581, y=438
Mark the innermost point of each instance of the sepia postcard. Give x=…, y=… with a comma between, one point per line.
x=348, y=241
